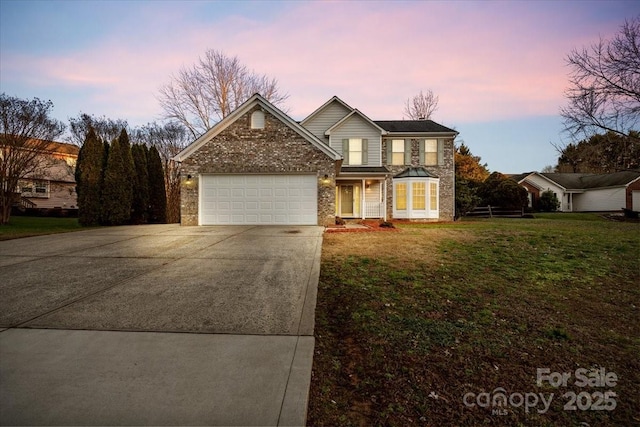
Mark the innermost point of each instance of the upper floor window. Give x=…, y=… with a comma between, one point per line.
x=257, y=120
x=29, y=188
x=355, y=151
x=397, y=152
x=431, y=152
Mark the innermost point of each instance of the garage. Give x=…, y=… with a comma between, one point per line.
x=258, y=199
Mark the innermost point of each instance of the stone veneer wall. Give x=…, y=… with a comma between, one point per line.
x=445, y=172
x=241, y=150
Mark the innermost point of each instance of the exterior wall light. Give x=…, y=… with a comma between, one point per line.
x=325, y=180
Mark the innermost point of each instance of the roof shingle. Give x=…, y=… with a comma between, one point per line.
x=412, y=126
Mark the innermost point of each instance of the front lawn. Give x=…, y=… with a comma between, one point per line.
x=25, y=226
x=434, y=324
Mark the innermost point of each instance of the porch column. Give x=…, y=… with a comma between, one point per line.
x=570, y=202
x=383, y=184
x=362, y=197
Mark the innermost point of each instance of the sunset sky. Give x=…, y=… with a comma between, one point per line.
x=498, y=67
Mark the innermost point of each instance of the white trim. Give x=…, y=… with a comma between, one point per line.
x=410, y=212
x=348, y=116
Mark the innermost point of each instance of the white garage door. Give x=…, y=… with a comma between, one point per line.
x=258, y=199
x=635, y=200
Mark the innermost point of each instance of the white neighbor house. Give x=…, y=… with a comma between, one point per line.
x=583, y=192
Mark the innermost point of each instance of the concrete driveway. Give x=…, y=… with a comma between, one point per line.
x=158, y=325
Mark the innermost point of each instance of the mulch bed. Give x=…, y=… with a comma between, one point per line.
x=372, y=226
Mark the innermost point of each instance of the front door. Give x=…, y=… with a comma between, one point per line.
x=346, y=200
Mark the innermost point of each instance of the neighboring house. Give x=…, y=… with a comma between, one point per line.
x=259, y=166
x=53, y=184
x=582, y=192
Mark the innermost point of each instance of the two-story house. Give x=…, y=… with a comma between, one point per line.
x=259, y=166
x=51, y=185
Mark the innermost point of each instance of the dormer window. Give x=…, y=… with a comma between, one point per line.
x=257, y=120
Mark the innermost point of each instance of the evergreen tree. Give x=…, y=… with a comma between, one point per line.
x=127, y=158
x=79, y=160
x=116, y=193
x=89, y=179
x=157, y=193
x=549, y=201
x=140, y=202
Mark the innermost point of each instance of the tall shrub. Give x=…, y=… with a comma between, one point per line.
x=549, y=201
x=127, y=158
x=140, y=202
x=157, y=193
x=499, y=190
x=89, y=179
x=116, y=193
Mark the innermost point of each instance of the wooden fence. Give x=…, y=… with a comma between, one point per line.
x=495, y=212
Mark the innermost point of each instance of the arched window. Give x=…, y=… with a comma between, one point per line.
x=257, y=120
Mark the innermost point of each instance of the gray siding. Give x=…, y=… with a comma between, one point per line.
x=357, y=127
x=374, y=193
x=326, y=118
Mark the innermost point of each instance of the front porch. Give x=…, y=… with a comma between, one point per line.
x=361, y=198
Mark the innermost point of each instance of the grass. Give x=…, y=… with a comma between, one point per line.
x=408, y=323
x=24, y=226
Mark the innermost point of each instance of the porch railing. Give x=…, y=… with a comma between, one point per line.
x=373, y=210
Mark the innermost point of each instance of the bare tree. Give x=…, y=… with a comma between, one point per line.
x=26, y=135
x=604, y=93
x=106, y=129
x=421, y=106
x=169, y=139
x=201, y=95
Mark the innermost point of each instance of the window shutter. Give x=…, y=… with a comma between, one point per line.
x=389, y=151
x=345, y=151
x=422, y=159
x=365, y=151
x=440, y=152
x=407, y=151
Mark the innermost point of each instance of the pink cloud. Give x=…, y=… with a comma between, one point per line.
x=486, y=61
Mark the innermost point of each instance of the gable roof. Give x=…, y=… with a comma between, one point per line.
x=323, y=106
x=413, y=126
x=591, y=180
x=585, y=181
x=348, y=117
x=519, y=177
x=256, y=99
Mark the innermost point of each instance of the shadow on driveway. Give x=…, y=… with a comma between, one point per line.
x=158, y=324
